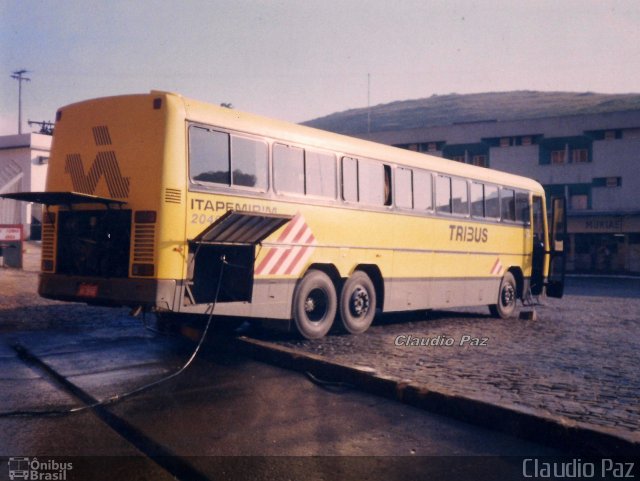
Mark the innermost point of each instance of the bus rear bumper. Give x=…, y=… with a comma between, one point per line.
x=159, y=293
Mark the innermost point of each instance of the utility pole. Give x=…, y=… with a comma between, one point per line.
x=19, y=76
x=368, y=103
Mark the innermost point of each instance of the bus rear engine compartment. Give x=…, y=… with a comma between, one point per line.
x=94, y=243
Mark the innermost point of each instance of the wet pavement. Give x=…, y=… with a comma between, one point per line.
x=578, y=361
x=225, y=417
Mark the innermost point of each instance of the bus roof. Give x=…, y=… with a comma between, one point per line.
x=198, y=111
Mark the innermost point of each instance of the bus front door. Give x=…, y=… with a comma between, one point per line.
x=557, y=236
x=539, y=247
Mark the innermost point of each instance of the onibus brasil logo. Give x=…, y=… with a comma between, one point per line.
x=34, y=469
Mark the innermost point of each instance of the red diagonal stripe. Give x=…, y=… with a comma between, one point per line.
x=495, y=265
x=309, y=240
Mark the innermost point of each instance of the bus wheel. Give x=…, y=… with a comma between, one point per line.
x=357, y=303
x=507, y=297
x=314, y=304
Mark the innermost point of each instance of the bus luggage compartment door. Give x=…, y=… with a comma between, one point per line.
x=223, y=255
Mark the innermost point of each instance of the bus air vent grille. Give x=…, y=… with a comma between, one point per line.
x=144, y=241
x=173, y=196
x=48, y=231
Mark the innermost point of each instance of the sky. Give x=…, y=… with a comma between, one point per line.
x=300, y=59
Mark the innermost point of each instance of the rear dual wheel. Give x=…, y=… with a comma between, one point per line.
x=315, y=304
x=357, y=303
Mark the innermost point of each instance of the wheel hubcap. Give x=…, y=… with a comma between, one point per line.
x=315, y=305
x=359, y=302
x=508, y=295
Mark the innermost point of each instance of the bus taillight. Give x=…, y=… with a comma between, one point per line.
x=145, y=217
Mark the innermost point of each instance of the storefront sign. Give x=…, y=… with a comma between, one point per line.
x=10, y=233
x=596, y=225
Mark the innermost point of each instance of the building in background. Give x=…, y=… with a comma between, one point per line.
x=23, y=168
x=592, y=159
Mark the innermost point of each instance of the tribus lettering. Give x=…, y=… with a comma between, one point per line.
x=201, y=204
x=465, y=233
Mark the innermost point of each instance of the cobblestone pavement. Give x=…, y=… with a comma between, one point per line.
x=578, y=360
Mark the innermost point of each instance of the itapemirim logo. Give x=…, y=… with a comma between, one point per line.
x=35, y=469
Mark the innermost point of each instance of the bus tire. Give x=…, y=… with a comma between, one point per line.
x=507, y=298
x=357, y=303
x=314, y=304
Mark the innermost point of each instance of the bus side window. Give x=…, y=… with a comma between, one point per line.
x=387, y=185
x=422, y=191
x=522, y=207
x=404, y=188
x=443, y=194
x=249, y=163
x=477, y=199
x=491, y=202
x=288, y=169
x=508, y=205
x=459, y=197
x=209, y=156
x=538, y=221
x=320, y=174
x=371, y=182
x=349, y=179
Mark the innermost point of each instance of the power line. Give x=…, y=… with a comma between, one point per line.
x=19, y=76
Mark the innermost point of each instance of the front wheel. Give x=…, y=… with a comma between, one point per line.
x=507, y=297
x=357, y=303
x=314, y=305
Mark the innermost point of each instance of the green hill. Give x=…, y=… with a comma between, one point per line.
x=455, y=108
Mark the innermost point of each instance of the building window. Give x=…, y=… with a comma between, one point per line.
x=480, y=160
x=610, y=135
x=505, y=142
x=579, y=202
x=432, y=147
x=607, y=182
x=580, y=155
x=558, y=156
x=527, y=140
x=458, y=158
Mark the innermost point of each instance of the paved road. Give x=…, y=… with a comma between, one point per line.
x=579, y=356
x=579, y=360
x=225, y=417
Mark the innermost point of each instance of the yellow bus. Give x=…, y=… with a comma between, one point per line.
x=177, y=206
